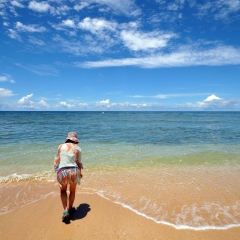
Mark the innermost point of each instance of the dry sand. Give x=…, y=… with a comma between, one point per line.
x=95, y=218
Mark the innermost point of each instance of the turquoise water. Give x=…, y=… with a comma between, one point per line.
x=162, y=128
x=168, y=151
x=34, y=136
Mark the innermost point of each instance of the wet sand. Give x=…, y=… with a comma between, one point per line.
x=95, y=218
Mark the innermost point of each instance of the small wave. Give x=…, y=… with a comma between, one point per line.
x=176, y=226
x=15, y=177
x=6, y=210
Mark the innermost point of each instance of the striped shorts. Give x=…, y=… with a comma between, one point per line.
x=67, y=175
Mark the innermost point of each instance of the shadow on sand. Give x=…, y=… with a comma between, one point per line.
x=81, y=212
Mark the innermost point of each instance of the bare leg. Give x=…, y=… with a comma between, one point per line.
x=72, y=194
x=63, y=195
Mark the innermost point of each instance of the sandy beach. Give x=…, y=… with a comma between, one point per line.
x=95, y=218
x=172, y=176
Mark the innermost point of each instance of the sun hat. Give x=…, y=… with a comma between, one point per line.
x=72, y=136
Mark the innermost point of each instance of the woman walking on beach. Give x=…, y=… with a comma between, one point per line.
x=68, y=165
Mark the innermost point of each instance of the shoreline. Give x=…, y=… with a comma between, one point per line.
x=95, y=218
x=183, y=198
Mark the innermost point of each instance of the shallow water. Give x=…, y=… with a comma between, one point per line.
x=177, y=168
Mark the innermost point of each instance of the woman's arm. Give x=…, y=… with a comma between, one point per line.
x=57, y=159
x=79, y=162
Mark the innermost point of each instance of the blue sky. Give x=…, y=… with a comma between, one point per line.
x=120, y=55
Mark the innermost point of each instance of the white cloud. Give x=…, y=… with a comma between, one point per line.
x=177, y=95
x=13, y=34
x=60, y=10
x=167, y=16
x=227, y=6
x=3, y=78
x=105, y=36
x=44, y=7
x=126, y=7
x=43, y=103
x=68, y=23
x=219, y=8
x=26, y=101
x=234, y=5
x=17, y=4
x=215, y=103
x=133, y=106
x=80, y=47
x=103, y=103
x=171, y=95
x=94, y=25
x=39, y=6
x=36, y=41
x=212, y=98
x=211, y=102
x=6, y=93
x=83, y=105
x=143, y=41
x=80, y=6
x=223, y=55
x=42, y=69
x=64, y=104
x=173, y=7
x=6, y=78
x=29, y=28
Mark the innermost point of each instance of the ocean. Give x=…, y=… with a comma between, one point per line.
x=176, y=168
